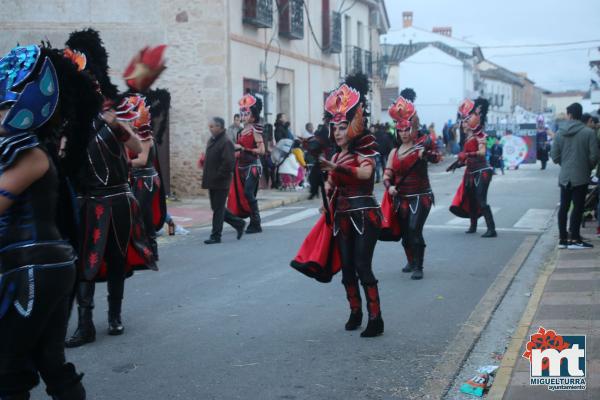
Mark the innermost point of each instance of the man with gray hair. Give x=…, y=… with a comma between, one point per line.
x=218, y=164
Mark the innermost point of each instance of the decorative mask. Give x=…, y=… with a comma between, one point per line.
x=470, y=115
x=34, y=104
x=339, y=103
x=403, y=111
x=245, y=104
x=145, y=68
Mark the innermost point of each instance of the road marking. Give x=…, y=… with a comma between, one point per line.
x=460, y=228
x=299, y=216
x=180, y=219
x=269, y=213
x=465, y=221
x=535, y=218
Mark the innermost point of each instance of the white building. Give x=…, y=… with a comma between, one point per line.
x=498, y=86
x=440, y=68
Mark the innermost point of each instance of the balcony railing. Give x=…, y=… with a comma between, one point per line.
x=291, y=19
x=368, y=63
x=258, y=13
x=355, y=60
x=332, y=33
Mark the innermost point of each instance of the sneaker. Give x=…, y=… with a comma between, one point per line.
x=579, y=244
x=563, y=244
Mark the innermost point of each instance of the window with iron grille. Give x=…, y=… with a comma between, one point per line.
x=354, y=60
x=258, y=13
x=332, y=30
x=368, y=64
x=291, y=19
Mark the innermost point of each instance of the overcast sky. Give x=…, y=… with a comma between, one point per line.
x=518, y=22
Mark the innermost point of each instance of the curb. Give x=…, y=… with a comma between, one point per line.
x=513, y=352
x=466, y=338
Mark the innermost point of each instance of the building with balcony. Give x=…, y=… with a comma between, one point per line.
x=440, y=68
x=289, y=52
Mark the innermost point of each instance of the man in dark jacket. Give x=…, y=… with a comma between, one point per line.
x=575, y=149
x=218, y=164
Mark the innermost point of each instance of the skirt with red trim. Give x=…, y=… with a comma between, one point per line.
x=319, y=256
x=461, y=204
x=150, y=193
x=117, y=215
x=237, y=203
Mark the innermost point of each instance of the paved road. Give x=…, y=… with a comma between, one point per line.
x=233, y=321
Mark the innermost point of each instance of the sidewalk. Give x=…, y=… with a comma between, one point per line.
x=191, y=213
x=566, y=299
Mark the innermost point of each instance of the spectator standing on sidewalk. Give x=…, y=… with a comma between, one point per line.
x=218, y=164
x=234, y=128
x=496, y=152
x=575, y=149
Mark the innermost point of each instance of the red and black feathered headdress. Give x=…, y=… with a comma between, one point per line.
x=88, y=43
x=469, y=107
x=145, y=68
x=251, y=104
x=402, y=112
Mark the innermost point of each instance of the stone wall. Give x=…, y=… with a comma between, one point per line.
x=195, y=32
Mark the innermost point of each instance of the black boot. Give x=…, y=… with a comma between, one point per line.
x=473, y=227
x=213, y=240
x=240, y=229
x=353, y=296
x=76, y=392
x=375, y=324
x=489, y=220
x=115, y=327
x=419, y=256
x=254, y=226
x=410, y=264
x=85, y=332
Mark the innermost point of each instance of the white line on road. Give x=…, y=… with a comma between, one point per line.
x=299, y=216
x=460, y=228
x=268, y=213
x=534, y=218
x=465, y=221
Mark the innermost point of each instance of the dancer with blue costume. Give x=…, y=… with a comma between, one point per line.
x=43, y=98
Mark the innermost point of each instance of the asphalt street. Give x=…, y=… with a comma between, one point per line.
x=234, y=321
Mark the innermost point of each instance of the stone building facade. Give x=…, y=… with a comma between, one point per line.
x=214, y=54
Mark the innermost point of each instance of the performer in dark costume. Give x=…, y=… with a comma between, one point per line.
x=146, y=184
x=542, y=141
x=347, y=241
x=145, y=180
x=242, y=201
x=112, y=230
x=408, y=197
x=43, y=98
x=470, y=200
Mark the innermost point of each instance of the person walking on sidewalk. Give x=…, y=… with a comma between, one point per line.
x=218, y=164
x=575, y=149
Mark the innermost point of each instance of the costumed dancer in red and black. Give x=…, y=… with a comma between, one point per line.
x=470, y=200
x=250, y=145
x=44, y=101
x=146, y=184
x=345, y=236
x=408, y=197
x=112, y=229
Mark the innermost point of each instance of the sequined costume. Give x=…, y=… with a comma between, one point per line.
x=347, y=241
x=37, y=258
x=470, y=200
x=241, y=201
x=406, y=211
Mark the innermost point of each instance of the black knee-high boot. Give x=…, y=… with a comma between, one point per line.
x=473, y=226
x=489, y=220
x=410, y=259
x=375, y=324
x=254, y=226
x=85, y=332
x=115, y=300
x=353, y=296
x=419, y=257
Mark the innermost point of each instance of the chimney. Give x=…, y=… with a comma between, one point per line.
x=407, y=19
x=442, y=30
